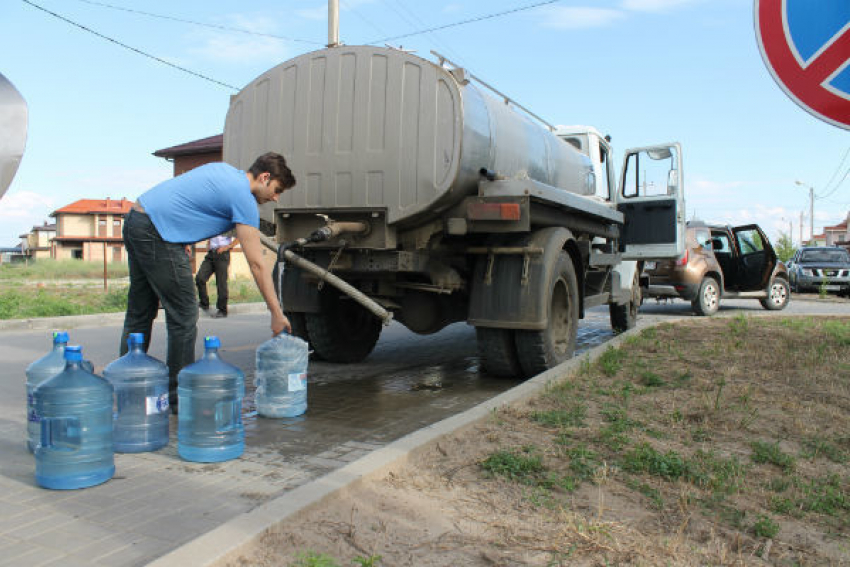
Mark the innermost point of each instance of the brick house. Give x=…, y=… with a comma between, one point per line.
x=188, y=156
x=36, y=244
x=89, y=228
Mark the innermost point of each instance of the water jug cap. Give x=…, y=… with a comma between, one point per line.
x=74, y=353
x=212, y=342
x=136, y=339
x=60, y=337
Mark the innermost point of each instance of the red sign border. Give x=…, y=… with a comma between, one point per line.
x=777, y=54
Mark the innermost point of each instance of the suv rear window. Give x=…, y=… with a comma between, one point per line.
x=825, y=256
x=703, y=238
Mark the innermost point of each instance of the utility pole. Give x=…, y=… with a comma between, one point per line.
x=801, y=228
x=811, y=208
x=333, y=23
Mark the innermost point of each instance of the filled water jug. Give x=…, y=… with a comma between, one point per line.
x=75, y=413
x=210, y=393
x=281, y=377
x=42, y=369
x=141, y=399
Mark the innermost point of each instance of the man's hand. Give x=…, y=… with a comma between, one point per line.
x=280, y=324
x=188, y=249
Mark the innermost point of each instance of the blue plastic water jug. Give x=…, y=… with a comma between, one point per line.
x=141, y=399
x=42, y=369
x=281, y=377
x=210, y=393
x=75, y=411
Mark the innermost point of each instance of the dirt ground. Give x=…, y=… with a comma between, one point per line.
x=713, y=442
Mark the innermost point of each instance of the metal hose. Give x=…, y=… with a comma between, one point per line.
x=385, y=316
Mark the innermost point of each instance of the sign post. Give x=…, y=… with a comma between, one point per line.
x=806, y=47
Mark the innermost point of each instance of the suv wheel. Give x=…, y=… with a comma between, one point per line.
x=707, y=301
x=777, y=296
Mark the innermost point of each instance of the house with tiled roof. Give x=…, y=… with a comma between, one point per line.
x=37, y=243
x=90, y=229
x=838, y=235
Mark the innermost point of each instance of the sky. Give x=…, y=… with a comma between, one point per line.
x=642, y=71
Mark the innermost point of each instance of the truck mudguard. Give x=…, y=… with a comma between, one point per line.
x=510, y=289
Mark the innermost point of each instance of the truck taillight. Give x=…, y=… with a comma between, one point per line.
x=683, y=260
x=493, y=211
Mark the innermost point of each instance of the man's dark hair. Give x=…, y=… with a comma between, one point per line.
x=275, y=165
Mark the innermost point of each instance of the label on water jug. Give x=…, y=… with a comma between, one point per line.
x=297, y=382
x=156, y=404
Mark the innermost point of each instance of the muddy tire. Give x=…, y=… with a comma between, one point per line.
x=707, y=301
x=778, y=295
x=540, y=350
x=343, y=331
x=497, y=352
x=624, y=317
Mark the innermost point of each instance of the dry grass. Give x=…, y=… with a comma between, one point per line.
x=713, y=442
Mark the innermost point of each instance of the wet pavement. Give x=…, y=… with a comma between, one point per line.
x=157, y=502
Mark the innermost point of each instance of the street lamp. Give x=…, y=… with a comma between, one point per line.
x=811, y=210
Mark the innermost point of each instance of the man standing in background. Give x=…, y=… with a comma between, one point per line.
x=215, y=262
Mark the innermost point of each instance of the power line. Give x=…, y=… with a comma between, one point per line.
x=834, y=175
x=463, y=22
x=194, y=23
x=131, y=48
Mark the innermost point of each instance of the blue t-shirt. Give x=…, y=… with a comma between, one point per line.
x=201, y=203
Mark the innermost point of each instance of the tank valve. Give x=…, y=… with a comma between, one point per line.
x=327, y=232
x=489, y=174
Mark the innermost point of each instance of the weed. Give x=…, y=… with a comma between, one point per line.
x=721, y=475
x=370, y=561
x=700, y=435
x=826, y=495
x=653, y=494
x=781, y=505
x=645, y=459
x=838, y=331
x=313, y=559
x=611, y=361
x=572, y=417
x=764, y=452
x=649, y=334
x=651, y=379
x=720, y=384
x=739, y=326
x=780, y=484
x=684, y=378
x=817, y=448
x=583, y=462
x=765, y=527
x=517, y=466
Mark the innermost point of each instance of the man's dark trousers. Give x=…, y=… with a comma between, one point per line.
x=160, y=272
x=214, y=262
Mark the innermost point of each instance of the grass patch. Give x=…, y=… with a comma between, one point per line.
x=519, y=466
x=570, y=417
x=764, y=452
x=765, y=527
x=51, y=270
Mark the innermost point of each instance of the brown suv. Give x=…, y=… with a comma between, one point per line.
x=722, y=262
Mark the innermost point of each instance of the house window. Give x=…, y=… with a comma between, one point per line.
x=116, y=228
x=116, y=253
x=101, y=227
x=77, y=254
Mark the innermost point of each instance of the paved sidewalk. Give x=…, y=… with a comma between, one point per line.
x=158, y=503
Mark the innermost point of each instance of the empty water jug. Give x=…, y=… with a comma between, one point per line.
x=75, y=411
x=210, y=393
x=42, y=369
x=281, y=377
x=141, y=399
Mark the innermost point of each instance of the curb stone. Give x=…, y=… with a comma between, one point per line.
x=230, y=539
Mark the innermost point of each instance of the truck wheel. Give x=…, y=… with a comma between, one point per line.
x=624, y=317
x=707, y=301
x=777, y=296
x=540, y=350
x=343, y=331
x=497, y=351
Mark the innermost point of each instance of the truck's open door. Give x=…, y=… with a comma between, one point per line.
x=652, y=199
x=13, y=131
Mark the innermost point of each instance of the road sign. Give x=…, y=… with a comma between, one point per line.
x=806, y=46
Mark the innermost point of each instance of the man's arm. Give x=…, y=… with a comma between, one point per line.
x=253, y=249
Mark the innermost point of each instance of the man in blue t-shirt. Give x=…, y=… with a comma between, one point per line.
x=195, y=206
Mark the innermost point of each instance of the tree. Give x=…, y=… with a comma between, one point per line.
x=784, y=247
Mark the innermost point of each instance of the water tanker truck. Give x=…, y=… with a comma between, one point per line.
x=426, y=196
